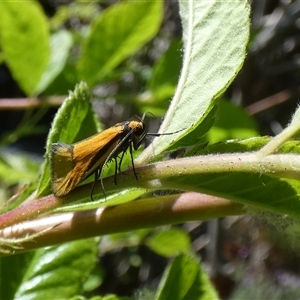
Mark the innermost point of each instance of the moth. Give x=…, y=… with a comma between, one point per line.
x=73, y=163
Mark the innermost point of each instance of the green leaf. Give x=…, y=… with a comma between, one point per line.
x=232, y=122
x=296, y=117
x=13, y=269
x=194, y=137
x=61, y=43
x=58, y=272
x=215, y=36
x=237, y=146
x=184, y=279
x=202, y=288
x=269, y=183
x=170, y=243
x=16, y=168
x=19, y=169
x=292, y=130
x=24, y=41
x=112, y=297
x=249, y=145
x=74, y=121
x=116, y=34
x=166, y=72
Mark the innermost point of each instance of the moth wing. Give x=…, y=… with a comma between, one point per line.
x=71, y=164
x=64, y=179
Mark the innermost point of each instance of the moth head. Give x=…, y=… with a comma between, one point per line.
x=137, y=127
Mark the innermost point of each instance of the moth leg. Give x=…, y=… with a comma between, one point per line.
x=133, y=167
x=96, y=178
x=94, y=184
x=116, y=170
x=121, y=159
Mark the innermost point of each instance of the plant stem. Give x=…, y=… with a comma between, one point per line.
x=145, y=213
